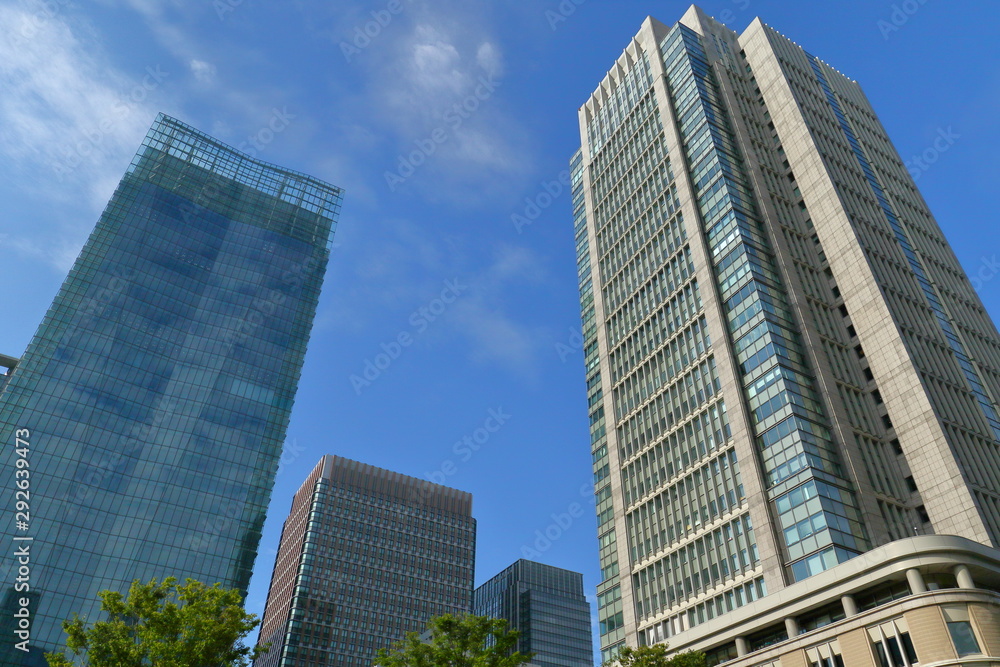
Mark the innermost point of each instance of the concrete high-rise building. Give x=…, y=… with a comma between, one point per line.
x=366, y=556
x=547, y=606
x=792, y=383
x=151, y=405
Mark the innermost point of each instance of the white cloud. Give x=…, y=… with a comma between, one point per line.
x=60, y=253
x=221, y=129
x=150, y=6
x=203, y=71
x=417, y=78
x=489, y=58
x=413, y=70
x=237, y=108
x=434, y=63
x=427, y=75
x=171, y=36
x=62, y=103
x=393, y=267
x=517, y=263
x=69, y=122
x=494, y=336
x=483, y=146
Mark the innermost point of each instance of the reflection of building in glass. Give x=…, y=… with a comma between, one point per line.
x=788, y=370
x=366, y=556
x=158, y=387
x=547, y=606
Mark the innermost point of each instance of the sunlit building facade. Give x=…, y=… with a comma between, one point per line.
x=788, y=371
x=153, y=399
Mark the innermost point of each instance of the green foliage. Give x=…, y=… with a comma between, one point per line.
x=457, y=641
x=166, y=625
x=657, y=656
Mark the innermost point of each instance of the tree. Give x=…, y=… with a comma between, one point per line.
x=457, y=641
x=166, y=625
x=656, y=656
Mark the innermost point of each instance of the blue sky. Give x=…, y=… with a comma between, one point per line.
x=486, y=95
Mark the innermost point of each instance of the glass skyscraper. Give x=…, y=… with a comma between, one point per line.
x=547, y=606
x=788, y=370
x=7, y=366
x=152, y=402
x=366, y=556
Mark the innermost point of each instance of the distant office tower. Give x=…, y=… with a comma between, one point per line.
x=547, y=606
x=366, y=556
x=153, y=400
x=788, y=370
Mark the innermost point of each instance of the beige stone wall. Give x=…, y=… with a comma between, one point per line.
x=986, y=618
x=856, y=649
x=794, y=659
x=930, y=635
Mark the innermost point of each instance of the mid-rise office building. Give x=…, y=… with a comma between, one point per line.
x=792, y=383
x=151, y=405
x=366, y=556
x=547, y=606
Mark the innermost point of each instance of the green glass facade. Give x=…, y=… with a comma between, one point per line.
x=158, y=388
